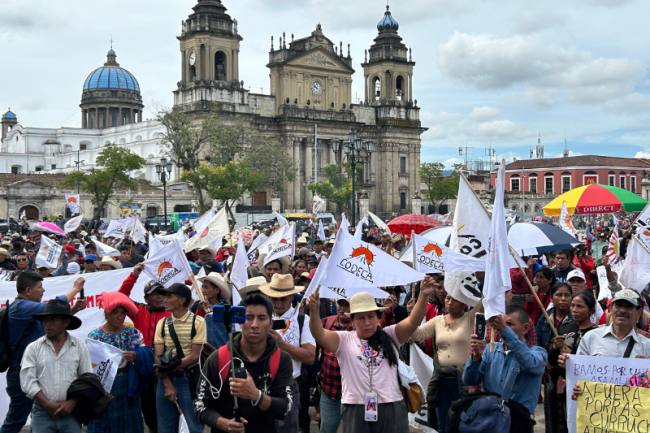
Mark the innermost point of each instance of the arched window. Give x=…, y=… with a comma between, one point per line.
x=399, y=88
x=537, y=208
x=220, y=66
x=515, y=208
x=192, y=73
x=376, y=86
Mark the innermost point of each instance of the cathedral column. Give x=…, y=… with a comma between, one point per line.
x=83, y=119
x=410, y=87
x=96, y=120
x=131, y=119
x=108, y=117
x=308, y=164
x=297, y=183
x=119, y=117
x=394, y=195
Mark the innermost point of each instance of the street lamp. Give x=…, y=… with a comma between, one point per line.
x=352, y=149
x=164, y=170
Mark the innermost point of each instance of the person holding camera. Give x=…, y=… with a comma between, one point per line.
x=262, y=387
x=177, y=344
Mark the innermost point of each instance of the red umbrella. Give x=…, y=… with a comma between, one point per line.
x=418, y=223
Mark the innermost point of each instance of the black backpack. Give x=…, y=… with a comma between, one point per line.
x=6, y=354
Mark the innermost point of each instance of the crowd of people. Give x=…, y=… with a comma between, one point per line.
x=341, y=356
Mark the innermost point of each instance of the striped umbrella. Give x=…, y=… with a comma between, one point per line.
x=596, y=199
x=535, y=238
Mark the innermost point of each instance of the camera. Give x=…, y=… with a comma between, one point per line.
x=228, y=314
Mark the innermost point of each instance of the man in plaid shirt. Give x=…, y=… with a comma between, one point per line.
x=329, y=376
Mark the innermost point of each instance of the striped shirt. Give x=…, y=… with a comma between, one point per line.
x=183, y=328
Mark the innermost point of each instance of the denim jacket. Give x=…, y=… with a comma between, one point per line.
x=543, y=329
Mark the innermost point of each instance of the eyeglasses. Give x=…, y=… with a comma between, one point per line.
x=89, y=261
x=22, y=260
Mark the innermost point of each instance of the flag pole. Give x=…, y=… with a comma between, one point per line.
x=492, y=334
x=530, y=286
x=196, y=287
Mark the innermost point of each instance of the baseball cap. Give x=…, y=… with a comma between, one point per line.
x=213, y=266
x=576, y=273
x=69, y=249
x=90, y=257
x=152, y=286
x=180, y=289
x=304, y=252
x=628, y=295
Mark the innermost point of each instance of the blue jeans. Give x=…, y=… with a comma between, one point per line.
x=168, y=412
x=20, y=405
x=448, y=392
x=330, y=414
x=42, y=422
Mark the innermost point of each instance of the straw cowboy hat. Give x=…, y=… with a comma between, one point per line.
x=211, y=250
x=216, y=279
x=280, y=286
x=5, y=253
x=231, y=243
x=302, y=240
x=362, y=303
x=252, y=285
x=285, y=261
x=110, y=262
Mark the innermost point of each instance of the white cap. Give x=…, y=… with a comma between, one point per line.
x=73, y=268
x=576, y=273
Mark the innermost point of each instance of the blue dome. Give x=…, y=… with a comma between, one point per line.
x=9, y=115
x=111, y=76
x=388, y=22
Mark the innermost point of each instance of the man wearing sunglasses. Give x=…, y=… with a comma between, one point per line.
x=22, y=263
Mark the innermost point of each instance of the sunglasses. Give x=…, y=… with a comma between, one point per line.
x=22, y=260
x=89, y=261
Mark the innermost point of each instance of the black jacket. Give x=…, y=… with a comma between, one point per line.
x=92, y=399
x=209, y=409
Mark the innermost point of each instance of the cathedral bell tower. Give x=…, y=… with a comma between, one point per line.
x=209, y=45
x=388, y=69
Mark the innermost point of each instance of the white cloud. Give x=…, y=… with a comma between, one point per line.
x=451, y=161
x=483, y=114
x=571, y=153
x=643, y=154
x=548, y=73
x=636, y=125
x=632, y=103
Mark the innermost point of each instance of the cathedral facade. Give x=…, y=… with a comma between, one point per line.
x=310, y=107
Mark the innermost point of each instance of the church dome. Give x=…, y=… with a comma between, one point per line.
x=9, y=115
x=111, y=76
x=388, y=22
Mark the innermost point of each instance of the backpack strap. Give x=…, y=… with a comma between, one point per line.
x=330, y=321
x=224, y=359
x=172, y=333
x=629, y=348
x=275, y=363
x=301, y=324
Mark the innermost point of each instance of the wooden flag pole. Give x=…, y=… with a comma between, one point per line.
x=492, y=334
x=539, y=302
x=196, y=287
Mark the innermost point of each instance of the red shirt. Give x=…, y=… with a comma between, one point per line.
x=519, y=284
x=432, y=311
x=145, y=321
x=534, y=312
x=586, y=266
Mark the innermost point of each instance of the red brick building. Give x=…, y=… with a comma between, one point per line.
x=533, y=183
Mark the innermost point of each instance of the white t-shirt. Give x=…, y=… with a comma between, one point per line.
x=291, y=334
x=354, y=360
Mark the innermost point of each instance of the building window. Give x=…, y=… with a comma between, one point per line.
x=514, y=184
x=152, y=211
x=53, y=166
x=548, y=187
x=402, y=164
x=123, y=118
x=533, y=185
x=622, y=184
x=15, y=169
x=376, y=85
x=114, y=119
x=360, y=175
x=612, y=180
x=39, y=168
x=566, y=184
x=633, y=184
x=83, y=146
x=402, y=201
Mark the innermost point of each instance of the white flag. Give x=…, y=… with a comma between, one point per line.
x=239, y=273
x=379, y=223
x=73, y=224
x=565, y=221
x=23, y=215
x=168, y=266
x=281, y=220
x=317, y=204
x=613, y=247
x=432, y=257
x=470, y=232
x=73, y=202
x=118, y=228
x=359, y=230
x=217, y=228
x=318, y=276
x=105, y=250
x=348, y=292
x=201, y=223
x=321, y=231
x=345, y=224
x=497, y=275
x=269, y=244
x=255, y=246
x=357, y=264
x=49, y=253
x=423, y=367
x=285, y=246
x=105, y=360
x=138, y=233
x=635, y=273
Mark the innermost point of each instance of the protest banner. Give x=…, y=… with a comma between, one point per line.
x=604, y=407
x=92, y=317
x=73, y=202
x=105, y=360
x=606, y=370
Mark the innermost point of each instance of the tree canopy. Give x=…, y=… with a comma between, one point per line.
x=337, y=186
x=440, y=188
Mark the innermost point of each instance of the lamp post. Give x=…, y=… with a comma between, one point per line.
x=352, y=148
x=164, y=170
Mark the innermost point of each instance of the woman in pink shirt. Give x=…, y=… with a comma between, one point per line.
x=368, y=360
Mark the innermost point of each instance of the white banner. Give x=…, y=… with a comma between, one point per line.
x=598, y=369
x=423, y=366
x=73, y=224
x=432, y=257
x=138, y=233
x=281, y=220
x=201, y=223
x=73, y=202
x=345, y=225
x=49, y=253
x=105, y=360
x=118, y=228
x=635, y=273
x=91, y=318
x=239, y=273
x=168, y=266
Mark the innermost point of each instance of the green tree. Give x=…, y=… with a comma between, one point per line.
x=337, y=186
x=269, y=158
x=116, y=163
x=440, y=188
x=227, y=182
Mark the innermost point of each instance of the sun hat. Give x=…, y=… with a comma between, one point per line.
x=216, y=279
x=363, y=302
x=302, y=240
x=5, y=253
x=280, y=286
x=284, y=261
x=110, y=262
x=252, y=285
x=112, y=300
x=57, y=307
x=211, y=250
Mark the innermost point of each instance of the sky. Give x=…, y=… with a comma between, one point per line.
x=489, y=73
